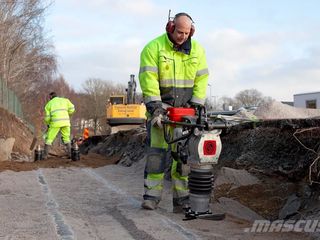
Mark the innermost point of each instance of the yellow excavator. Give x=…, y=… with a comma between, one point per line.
x=123, y=110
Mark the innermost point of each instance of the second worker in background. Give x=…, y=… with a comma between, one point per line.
x=173, y=72
x=57, y=117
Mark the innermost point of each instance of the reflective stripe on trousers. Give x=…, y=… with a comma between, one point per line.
x=179, y=183
x=156, y=161
x=153, y=187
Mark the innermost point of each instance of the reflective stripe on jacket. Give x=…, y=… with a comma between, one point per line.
x=171, y=76
x=57, y=112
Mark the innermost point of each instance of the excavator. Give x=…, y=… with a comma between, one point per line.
x=123, y=111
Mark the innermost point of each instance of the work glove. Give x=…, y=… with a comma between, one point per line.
x=157, y=113
x=200, y=109
x=157, y=117
x=194, y=105
x=156, y=121
x=153, y=106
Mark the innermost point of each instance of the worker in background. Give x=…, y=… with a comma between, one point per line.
x=85, y=134
x=173, y=72
x=57, y=117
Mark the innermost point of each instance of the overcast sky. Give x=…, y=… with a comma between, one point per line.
x=270, y=45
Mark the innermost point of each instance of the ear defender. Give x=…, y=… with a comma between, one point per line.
x=171, y=26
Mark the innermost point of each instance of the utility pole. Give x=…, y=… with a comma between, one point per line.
x=215, y=102
x=210, y=91
x=210, y=99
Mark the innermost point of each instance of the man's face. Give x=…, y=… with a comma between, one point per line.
x=182, y=30
x=179, y=35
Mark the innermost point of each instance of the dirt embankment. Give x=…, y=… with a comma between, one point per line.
x=271, y=146
x=128, y=146
x=13, y=127
x=279, y=150
x=270, y=151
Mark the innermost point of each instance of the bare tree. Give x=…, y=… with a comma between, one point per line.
x=249, y=97
x=27, y=62
x=23, y=47
x=228, y=101
x=95, y=98
x=246, y=98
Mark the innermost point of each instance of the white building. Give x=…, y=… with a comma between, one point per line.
x=307, y=100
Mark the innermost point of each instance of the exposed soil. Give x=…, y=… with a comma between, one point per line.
x=270, y=147
x=11, y=126
x=91, y=160
x=128, y=145
x=265, y=199
x=270, y=151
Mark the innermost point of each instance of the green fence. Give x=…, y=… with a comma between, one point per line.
x=9, y=100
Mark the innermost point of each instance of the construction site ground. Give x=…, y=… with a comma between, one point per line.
x=95, y=199
x=99, y=197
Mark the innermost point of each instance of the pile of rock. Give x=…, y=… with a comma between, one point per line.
x=127, y=145
x=278, y=110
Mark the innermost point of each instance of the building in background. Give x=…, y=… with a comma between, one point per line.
x=307, y=100
x=288, y=103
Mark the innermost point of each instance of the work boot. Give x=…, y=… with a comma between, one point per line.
x=180, y=208
x=181, y=205
x=149, y=204
x=46, y=151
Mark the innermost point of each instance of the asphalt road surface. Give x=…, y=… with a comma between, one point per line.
x=101, y=203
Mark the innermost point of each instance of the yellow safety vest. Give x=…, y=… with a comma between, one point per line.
x=57, y=112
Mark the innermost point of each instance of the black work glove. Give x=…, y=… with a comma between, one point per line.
x=194, y=105
x=153, y=106
x=200, y=109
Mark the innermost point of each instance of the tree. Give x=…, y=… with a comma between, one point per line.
x=246, y=98
x=94, y=100
x=24, y=50
x=249, y=97
x=27, y=62
x=228, y=101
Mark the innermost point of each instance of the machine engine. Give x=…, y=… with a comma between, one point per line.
x=199, y=146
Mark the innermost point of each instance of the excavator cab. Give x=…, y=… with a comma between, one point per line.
x=117, y=100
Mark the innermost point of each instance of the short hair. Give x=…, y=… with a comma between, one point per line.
x=52, y=95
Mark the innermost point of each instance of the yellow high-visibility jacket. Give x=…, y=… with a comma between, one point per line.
x=172, y=76
x=57, y=112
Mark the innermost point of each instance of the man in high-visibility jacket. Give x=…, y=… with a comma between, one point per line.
x=173, y=72
x=57, y=117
